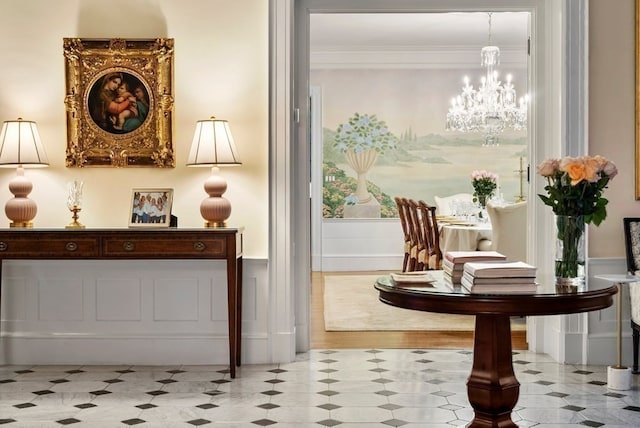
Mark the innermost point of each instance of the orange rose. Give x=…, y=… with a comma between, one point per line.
x=574, y=168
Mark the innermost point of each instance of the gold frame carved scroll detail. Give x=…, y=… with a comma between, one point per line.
x=119, y=102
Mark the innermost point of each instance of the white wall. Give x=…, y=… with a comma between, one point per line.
x=221, y=66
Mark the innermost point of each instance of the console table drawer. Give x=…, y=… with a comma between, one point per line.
x=165, y=248
x=49, y=248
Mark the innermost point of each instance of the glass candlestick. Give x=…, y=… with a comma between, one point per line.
x=74, y=203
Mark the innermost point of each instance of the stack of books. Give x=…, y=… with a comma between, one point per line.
x=499, y=277
x=453, y=262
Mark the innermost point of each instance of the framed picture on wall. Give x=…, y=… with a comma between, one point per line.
x=119, y=102
x=150, y=207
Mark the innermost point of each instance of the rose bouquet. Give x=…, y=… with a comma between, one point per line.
x=484, y=186
x=574, y=193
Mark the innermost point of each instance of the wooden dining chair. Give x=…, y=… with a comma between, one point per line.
x=418, y=240
x=401, y=204
x=433, y=258
x=632, y=247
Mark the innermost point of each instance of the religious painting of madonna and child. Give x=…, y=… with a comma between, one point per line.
x=119, y=102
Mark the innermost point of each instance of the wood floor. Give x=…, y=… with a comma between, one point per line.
x=321, y=339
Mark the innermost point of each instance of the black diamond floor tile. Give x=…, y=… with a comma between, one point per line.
x=271, y=392
x=113, y=381
x=68, y=421
x=134, y=421
x=100, y=392
x=395, y=422
x=207, y=406
x=24, y=405
x=268, y=406
x=7, y=380
x=146, y=406
x=166, y=381
x=7, y=421
x=43, y=392
x=329, y=406
x=264, y=422
x=56, y=381
x=199, y=422
x=329, y=422
x=157, y=392
x=85, y=405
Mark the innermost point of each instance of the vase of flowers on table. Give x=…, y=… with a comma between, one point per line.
x=575, y=187
x=484, y=185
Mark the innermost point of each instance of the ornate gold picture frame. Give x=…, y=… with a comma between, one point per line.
x=119, y=102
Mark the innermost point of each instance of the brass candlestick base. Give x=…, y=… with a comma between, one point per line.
x=74, y=223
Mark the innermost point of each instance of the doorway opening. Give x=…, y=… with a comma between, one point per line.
x=403, y=67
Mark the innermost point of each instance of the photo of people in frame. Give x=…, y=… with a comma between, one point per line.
x=118, y=102
x=151, y=208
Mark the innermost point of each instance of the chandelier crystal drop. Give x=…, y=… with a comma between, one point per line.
x=492, y=107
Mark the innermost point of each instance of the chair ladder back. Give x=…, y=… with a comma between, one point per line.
x=401, y=203
x=432, y=236
x=416, y=261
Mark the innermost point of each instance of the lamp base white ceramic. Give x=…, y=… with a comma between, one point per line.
x=619, y=378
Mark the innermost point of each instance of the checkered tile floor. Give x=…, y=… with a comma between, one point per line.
x=322, y=388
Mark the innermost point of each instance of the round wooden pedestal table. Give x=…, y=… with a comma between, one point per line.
x=492, y=387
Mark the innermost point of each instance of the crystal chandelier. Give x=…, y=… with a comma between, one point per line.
x=491, y=108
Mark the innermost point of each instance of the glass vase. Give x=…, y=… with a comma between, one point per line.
x=570, y=245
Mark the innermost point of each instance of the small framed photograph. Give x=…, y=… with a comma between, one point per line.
x=150, y=207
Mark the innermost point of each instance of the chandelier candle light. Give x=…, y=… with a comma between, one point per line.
x=491, y=108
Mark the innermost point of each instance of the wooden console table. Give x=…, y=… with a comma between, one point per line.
x=133, y=244
x=492, y=387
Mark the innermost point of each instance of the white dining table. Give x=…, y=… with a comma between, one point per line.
x=463, y=236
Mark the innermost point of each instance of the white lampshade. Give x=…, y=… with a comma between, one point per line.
x=20, y=145
x=213, y=146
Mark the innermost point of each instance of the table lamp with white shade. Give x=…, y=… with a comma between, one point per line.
x=21, y=146
x=213, y=146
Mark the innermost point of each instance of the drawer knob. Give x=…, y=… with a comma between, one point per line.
x=129, y=246
x=71, y=246
x=3, y=246
x=199, y=246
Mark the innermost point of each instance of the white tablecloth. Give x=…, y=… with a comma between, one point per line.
x=455, y=237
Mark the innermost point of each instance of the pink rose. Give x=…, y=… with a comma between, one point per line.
x=610, y=169
x=548, y=168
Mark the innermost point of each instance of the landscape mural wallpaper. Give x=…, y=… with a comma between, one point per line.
x=425, y=160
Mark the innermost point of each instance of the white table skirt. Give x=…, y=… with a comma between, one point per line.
x=463, y=238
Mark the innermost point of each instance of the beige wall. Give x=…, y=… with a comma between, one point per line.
x=221, y=69
x=611, y=115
